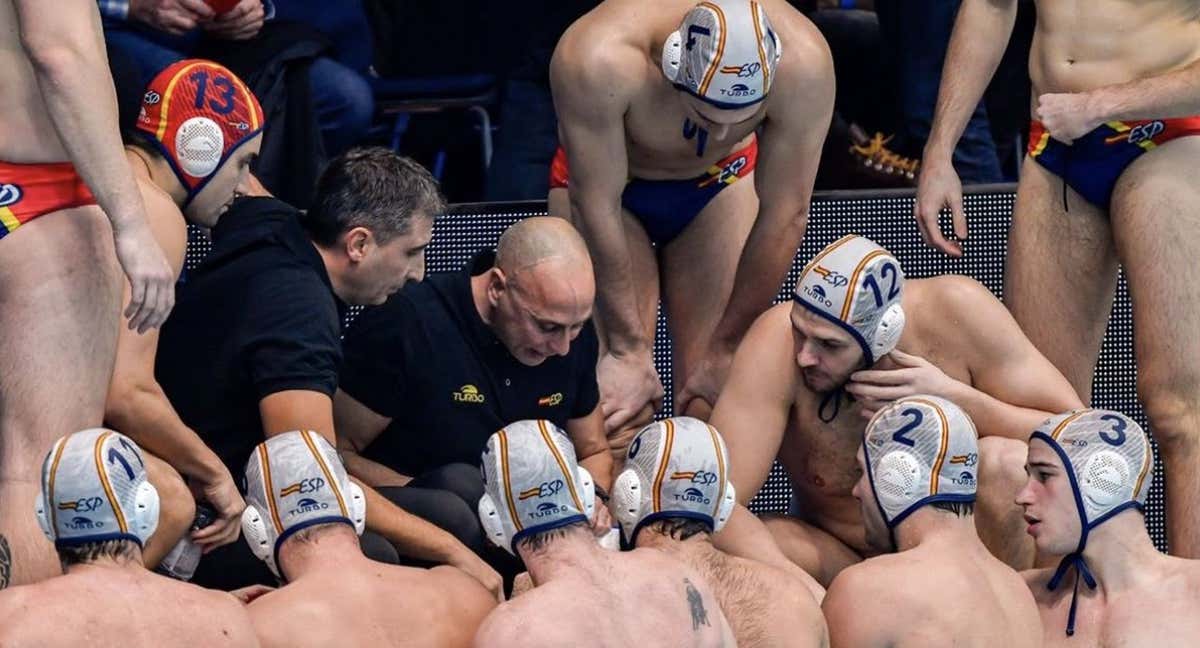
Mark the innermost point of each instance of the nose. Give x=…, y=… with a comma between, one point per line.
x=806, y=358
x=1025, y=495
x=418, y=273
x=560, y=344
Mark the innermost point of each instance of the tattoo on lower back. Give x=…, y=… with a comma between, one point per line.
x=5, y=563
x=696, y=605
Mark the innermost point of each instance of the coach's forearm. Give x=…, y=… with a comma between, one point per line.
x=371, y=472
x=143, y=412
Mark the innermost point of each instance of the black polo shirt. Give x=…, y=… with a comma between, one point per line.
x=427, y=360
x=257, y=317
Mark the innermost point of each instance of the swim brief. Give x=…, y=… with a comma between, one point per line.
x=1092, y=164
x=31, y=190
x=666, y=207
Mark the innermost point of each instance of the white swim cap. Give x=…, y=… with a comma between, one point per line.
x=532, y=483
x=94, y=489
x=724, y=53
x=857, y=285
x=1108, y=458
x=294, y=481
x=675, y=468
x=919, y=450
x=1109, y=462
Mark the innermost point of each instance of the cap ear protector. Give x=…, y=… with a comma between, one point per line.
x=295, y=481
x=532, y=483
x=94, y=489
x=675, y=468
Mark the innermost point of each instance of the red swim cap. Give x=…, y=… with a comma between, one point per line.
x=198, y=112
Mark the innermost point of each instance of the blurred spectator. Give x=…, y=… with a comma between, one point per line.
x=528, y=129
x=156, y=33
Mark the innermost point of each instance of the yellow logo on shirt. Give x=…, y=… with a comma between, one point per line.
x=551, y=400
x=468, y=394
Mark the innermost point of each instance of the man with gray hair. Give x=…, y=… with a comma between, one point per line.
x=254, y=350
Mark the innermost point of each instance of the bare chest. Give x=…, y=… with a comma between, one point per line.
x=663, y=142
x=1127, y=622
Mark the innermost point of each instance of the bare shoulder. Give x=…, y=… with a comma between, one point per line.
x=768, y=335
x=166, y=221
x=959, y=292
x=533, y=620
x=597, y=54
x=281, y=618
x=462, y=591
x=1036, y=579
x=229, y=618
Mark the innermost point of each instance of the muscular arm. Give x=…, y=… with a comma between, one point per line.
x=591, y=446
x=798, y=114
x=357, y=426
x=65, y=43
x=136, y=404
x=1014, y=388
x=977, y=44
x=591, y=94
x=752, y=412
x=1174, y=94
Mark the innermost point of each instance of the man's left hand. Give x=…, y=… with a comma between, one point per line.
x=1067, y=117
x=240, y=23
x=875, y=388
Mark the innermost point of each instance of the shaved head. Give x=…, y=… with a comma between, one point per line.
x=534, y=241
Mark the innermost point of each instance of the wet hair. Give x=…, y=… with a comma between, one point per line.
x=960, y=509
x=538, y=541
x=374, y=188
x=679, y=528
x=92, y=551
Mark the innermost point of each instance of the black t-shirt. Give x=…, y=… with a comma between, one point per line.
x=257, y=317
x=428, y=361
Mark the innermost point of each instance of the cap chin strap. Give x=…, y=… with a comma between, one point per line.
x=1074, y=559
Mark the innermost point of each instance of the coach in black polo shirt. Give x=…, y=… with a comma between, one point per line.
x=252, y=348
x=443, y=364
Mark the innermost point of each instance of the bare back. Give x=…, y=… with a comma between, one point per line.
x=1085, y=44
x=930, y=596
x=1163, y=611
x=373, y=604
x=123, y=607
x=636, y=598
x=630, y=33
x=764, y=606
x=26, y=132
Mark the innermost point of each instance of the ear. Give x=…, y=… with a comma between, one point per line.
x=358, y=242
x=497, y=284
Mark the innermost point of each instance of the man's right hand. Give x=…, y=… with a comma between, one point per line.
x=476, y=568
x=221, y=493
x=151, y=280
x=937, y=188
x=172, y=16
x=628, y=382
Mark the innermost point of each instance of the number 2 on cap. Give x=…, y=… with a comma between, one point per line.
x=917, y=417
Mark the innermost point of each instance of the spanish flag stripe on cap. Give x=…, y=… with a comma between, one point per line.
x=849, y=302
x=668, y=442
x=716, y=62
x=562, y=465
x=58, y=454
x=1147, y=463
x=1063, y=425
x=108, y=490
x=720, y=466
x=264, y=460
x=945, y=444
x=506, y=482
x=333, y=484
x=167, y=95
x=762, y=56
x=824, y=253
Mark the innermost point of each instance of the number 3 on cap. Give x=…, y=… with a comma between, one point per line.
x=1119, y=426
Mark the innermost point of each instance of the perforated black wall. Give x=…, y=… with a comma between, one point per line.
x=887, y=219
